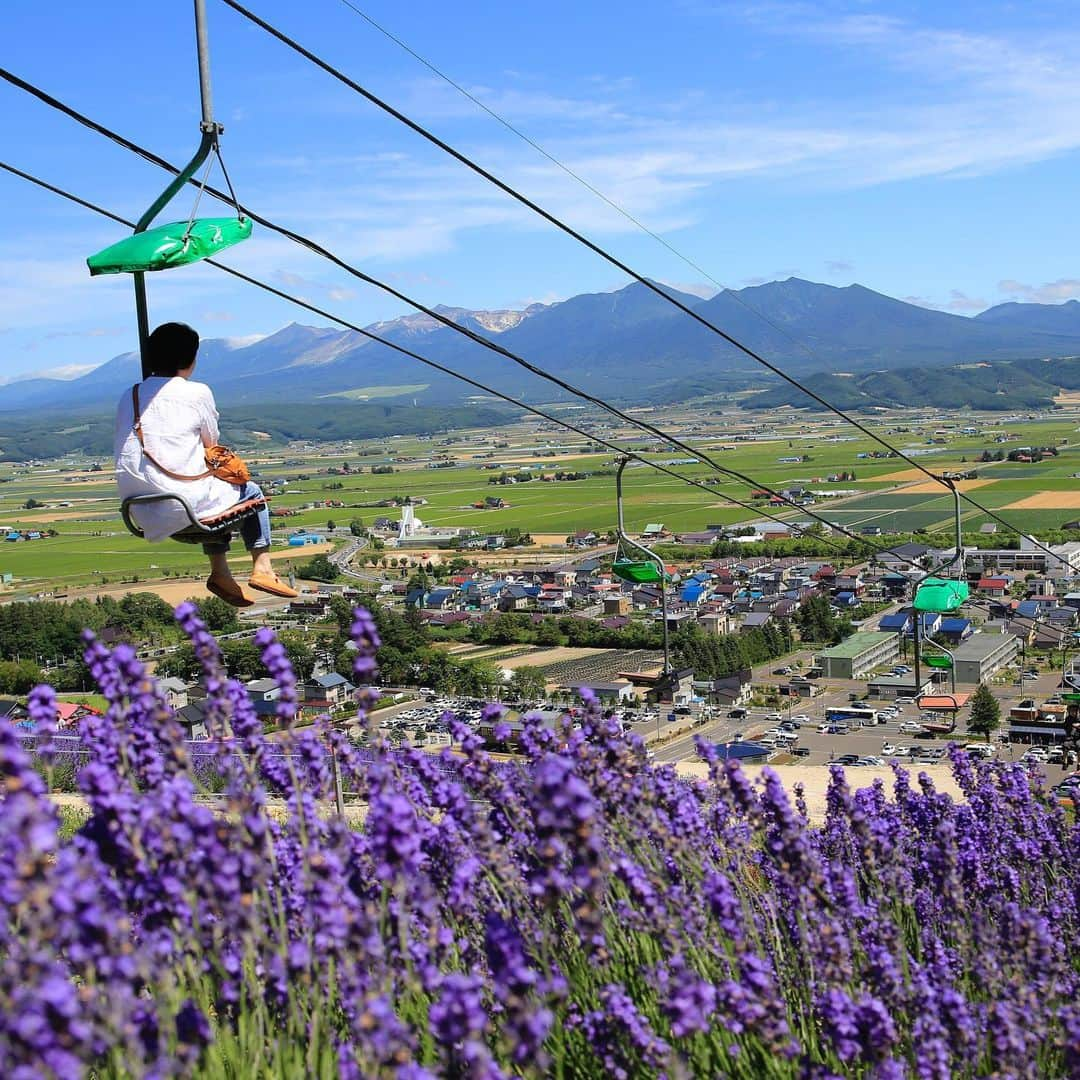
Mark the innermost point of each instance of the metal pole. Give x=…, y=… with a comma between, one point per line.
x=647, y=552
x=202, y=44
x=210, y=132
x=918, y=628
x=339, y=795
x=663, y=605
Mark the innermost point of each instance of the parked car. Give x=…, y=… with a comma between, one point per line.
x=801, y=751
x=774, y=716
x=904, y=700
x=737, y=714
x=910, y=727
x=889, y=750
x=1056, y=756
x=782, y=671
x=799, y=719
x=845, y=759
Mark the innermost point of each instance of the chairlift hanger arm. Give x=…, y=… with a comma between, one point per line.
x=622, y=537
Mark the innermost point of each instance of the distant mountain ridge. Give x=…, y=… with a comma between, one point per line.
x=629, y=344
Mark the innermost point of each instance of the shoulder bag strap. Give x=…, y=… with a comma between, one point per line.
x=137, y=428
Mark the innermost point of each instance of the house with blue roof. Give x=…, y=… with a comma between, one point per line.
x=517, y=597
x=956, y=629
x=899, y=622
x=903, y=622
x=692, y=592
x=440, y=599
x=844, y=598
x=1029, y=609
x=325, y=692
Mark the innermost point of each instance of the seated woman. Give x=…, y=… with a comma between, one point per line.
x=179, y=419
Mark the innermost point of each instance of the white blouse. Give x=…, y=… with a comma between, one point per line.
x=176, y=414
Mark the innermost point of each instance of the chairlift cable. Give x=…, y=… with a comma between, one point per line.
x=425, y=360
x=479, y=339
x=875, y=548
x=438, y=316
x=503, y=186
x=619, y=209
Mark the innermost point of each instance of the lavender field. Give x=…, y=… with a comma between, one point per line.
x=578, y=914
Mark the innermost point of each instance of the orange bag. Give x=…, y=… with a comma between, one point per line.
x=221, y=462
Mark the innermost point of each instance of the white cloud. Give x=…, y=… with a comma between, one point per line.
x=244, y=339
x=960, y=302
x=64, y=371
x=1051, y=292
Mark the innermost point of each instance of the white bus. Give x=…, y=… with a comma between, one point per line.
x=851, y=714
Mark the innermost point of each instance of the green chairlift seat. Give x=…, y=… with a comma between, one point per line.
x=168, y=246
x=936, y=660
x=637, y=572
x=940, y=595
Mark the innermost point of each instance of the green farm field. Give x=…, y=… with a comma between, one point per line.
x=92, y=544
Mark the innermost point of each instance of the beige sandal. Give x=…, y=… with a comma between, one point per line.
x=232, y=593
x=271, y=583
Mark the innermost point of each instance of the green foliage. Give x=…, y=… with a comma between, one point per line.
x=300, y=652
x=220, y=618
x=53, y=629
x=19, y=676
x=713, y=657
x=51, y=436
x=526, y=684
x=997, y=387
x=985, y=716
x=818, y=622
x=320, y=568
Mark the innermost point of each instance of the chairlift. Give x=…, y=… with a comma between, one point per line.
x=180, y=242
x=935, y=660
x=169, y=246
x=637, y=572
x=647, y=568
x=940, y=595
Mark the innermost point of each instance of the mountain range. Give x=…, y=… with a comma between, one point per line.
x=630, y=345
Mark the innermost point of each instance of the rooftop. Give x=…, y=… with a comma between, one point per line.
x=857, y=644
x=980, y=646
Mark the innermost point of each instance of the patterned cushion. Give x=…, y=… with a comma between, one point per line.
x=233, y=514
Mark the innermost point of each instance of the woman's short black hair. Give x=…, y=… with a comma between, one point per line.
x=171, y=347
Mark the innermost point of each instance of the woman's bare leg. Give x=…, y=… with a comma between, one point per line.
x=261, y=562
x=219, y=567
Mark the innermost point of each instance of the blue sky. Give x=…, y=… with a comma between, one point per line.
x=928, y=151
